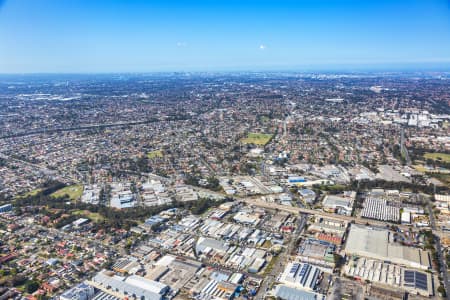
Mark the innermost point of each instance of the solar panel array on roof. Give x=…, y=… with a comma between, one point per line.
x=294, y=269
x=421, y=281
x=302, y=274
x=409, y=278
x=416, y=280
x=304, y=269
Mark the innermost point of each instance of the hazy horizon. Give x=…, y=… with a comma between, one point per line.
x=50, y=36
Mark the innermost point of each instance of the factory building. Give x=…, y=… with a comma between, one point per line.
x=288, y=293
x=340, y=204
x=133, y=286
x=301, y=275
x=377, y=243
x=376, y=271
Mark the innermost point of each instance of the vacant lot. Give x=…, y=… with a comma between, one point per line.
x=438, y=156
x=257, y=138
x=155, y=154
x=74, y=192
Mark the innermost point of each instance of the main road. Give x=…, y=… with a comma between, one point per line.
x=302, y=210
x=281, y=260
x=440, y=255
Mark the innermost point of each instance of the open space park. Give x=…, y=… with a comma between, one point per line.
x=257, y=138
x=74, y=192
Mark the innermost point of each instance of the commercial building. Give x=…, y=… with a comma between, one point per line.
x=377, y=243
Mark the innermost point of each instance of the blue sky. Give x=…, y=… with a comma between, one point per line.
x=168, y=35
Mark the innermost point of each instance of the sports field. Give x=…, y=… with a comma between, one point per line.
x=155, y=154
x=261, y=139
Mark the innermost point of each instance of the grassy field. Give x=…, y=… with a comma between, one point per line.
x=423, y=169
x=257, y=138
x=420, y=168
x=95, y=217
x=437, y=156
x=74, y=192
x=155, y=154
x=30, y=193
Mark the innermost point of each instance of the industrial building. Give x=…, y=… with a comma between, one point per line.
x=307, y=195
x=247, y=218
x=301, y=275
x=377, y=243
x=288, y=293
x=257, y=265
x=418, y=282
x=340, y=204
x=206, y=245
x=317, y=252
x=132, y=286
x=381, y=272
x=295, y=179
x=328, y=225
x=382, y=205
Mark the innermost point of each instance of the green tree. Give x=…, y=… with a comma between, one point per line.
x=31, y=286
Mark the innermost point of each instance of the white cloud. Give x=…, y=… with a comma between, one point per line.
x=262, y=47
x=181, y=44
